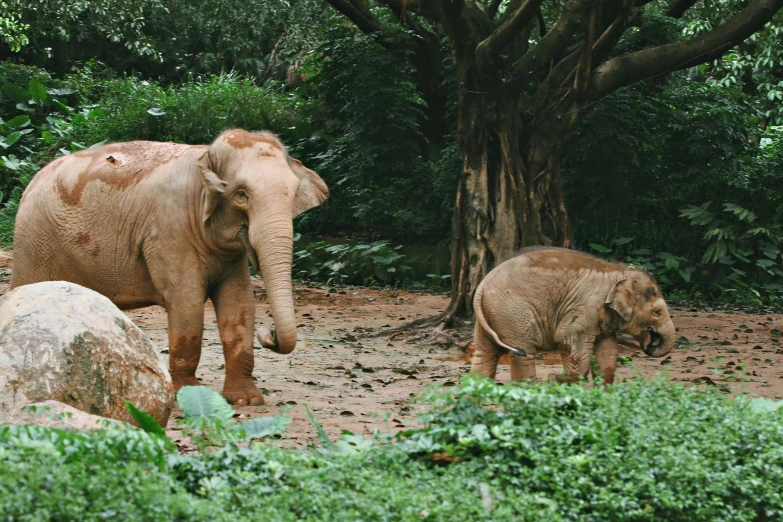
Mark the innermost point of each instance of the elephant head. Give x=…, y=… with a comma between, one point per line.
x=251, y=192
x=642, y=312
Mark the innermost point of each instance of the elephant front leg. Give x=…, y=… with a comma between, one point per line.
x=606, y=351
x=235, y=310
x=576, y=353
x=186, y=326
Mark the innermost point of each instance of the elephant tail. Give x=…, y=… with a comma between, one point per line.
x=482, y=321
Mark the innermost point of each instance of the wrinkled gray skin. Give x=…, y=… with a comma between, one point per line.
x=557, y=299
x=148, y=223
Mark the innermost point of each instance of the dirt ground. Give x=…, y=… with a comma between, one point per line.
x=362, y=384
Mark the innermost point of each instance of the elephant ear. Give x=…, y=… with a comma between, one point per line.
x=620, y=300
x=312, y=189
x=212, y=184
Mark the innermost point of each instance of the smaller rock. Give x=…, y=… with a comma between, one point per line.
x=54, y=414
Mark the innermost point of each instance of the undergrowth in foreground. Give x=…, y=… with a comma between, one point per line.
x=633, y=451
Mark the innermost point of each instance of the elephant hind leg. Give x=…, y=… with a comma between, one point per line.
x=523, y=368
x=486, y=354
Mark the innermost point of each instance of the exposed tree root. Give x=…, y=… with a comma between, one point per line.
x=445, y=329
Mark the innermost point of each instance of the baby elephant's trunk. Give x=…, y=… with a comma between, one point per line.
x=660, y=341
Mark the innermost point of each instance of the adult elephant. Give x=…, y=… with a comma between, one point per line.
x=160, y=223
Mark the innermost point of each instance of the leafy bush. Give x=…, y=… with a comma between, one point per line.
x=358, y=264
x=636, y=451
x=368, y=145
x=632, y=451
x=632, y=189
x=193, y=112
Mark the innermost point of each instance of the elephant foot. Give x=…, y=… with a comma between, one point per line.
x=179, y=382
x=562, y=378
x=244, y=395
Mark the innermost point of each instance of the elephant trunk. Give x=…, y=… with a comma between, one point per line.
x=661, y=341
x=271, y=236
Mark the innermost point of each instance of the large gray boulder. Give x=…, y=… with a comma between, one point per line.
x=60, y=341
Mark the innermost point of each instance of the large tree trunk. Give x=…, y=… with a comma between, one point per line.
x=509, y=195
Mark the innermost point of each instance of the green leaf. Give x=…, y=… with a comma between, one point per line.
x=600, y=248
x=322, y=436
x=762, y=405
x=38, y=92
x=671, y=263
x=20, y=121
x=9, y=140
x=61, y=92
x=19, y=94
x=79, y=119
x=145, y=421
x=148, y=423
x=11, y=162
x=199, y=402
x=261, y=427
x=623, y=240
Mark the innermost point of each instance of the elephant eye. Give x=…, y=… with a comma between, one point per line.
x=656, y=312
x=242, y=193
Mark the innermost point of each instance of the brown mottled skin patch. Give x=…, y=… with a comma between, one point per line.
x=83, y=238
x=244, y=139
x=120, y=165
x=184, y=360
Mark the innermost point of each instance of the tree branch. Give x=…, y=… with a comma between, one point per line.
x=452, y=17
x=541, y=23
x=647, y=63
x=367, y=23
x=361, y=16
x=426, y=8
x=609, y=38
x=678, y=7
x=504, y=34
x=555, y=41
x=400, y=10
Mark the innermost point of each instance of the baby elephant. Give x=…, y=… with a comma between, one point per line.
x=554, y=298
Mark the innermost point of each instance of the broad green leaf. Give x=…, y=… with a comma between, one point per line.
x=61, y=92
x=19, y=121
x=19, y=94
x=145, y=421
x=199, y=402
x=9, y=140
x=762, y=405
x=38, y=92
x=261, y=427
x=11, y=162
x=623, y=240
x=600, y=248
x=78, y=119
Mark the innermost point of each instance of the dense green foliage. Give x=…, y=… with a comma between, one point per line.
x=635, y=451
x=680, y=174
x=685, y=194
